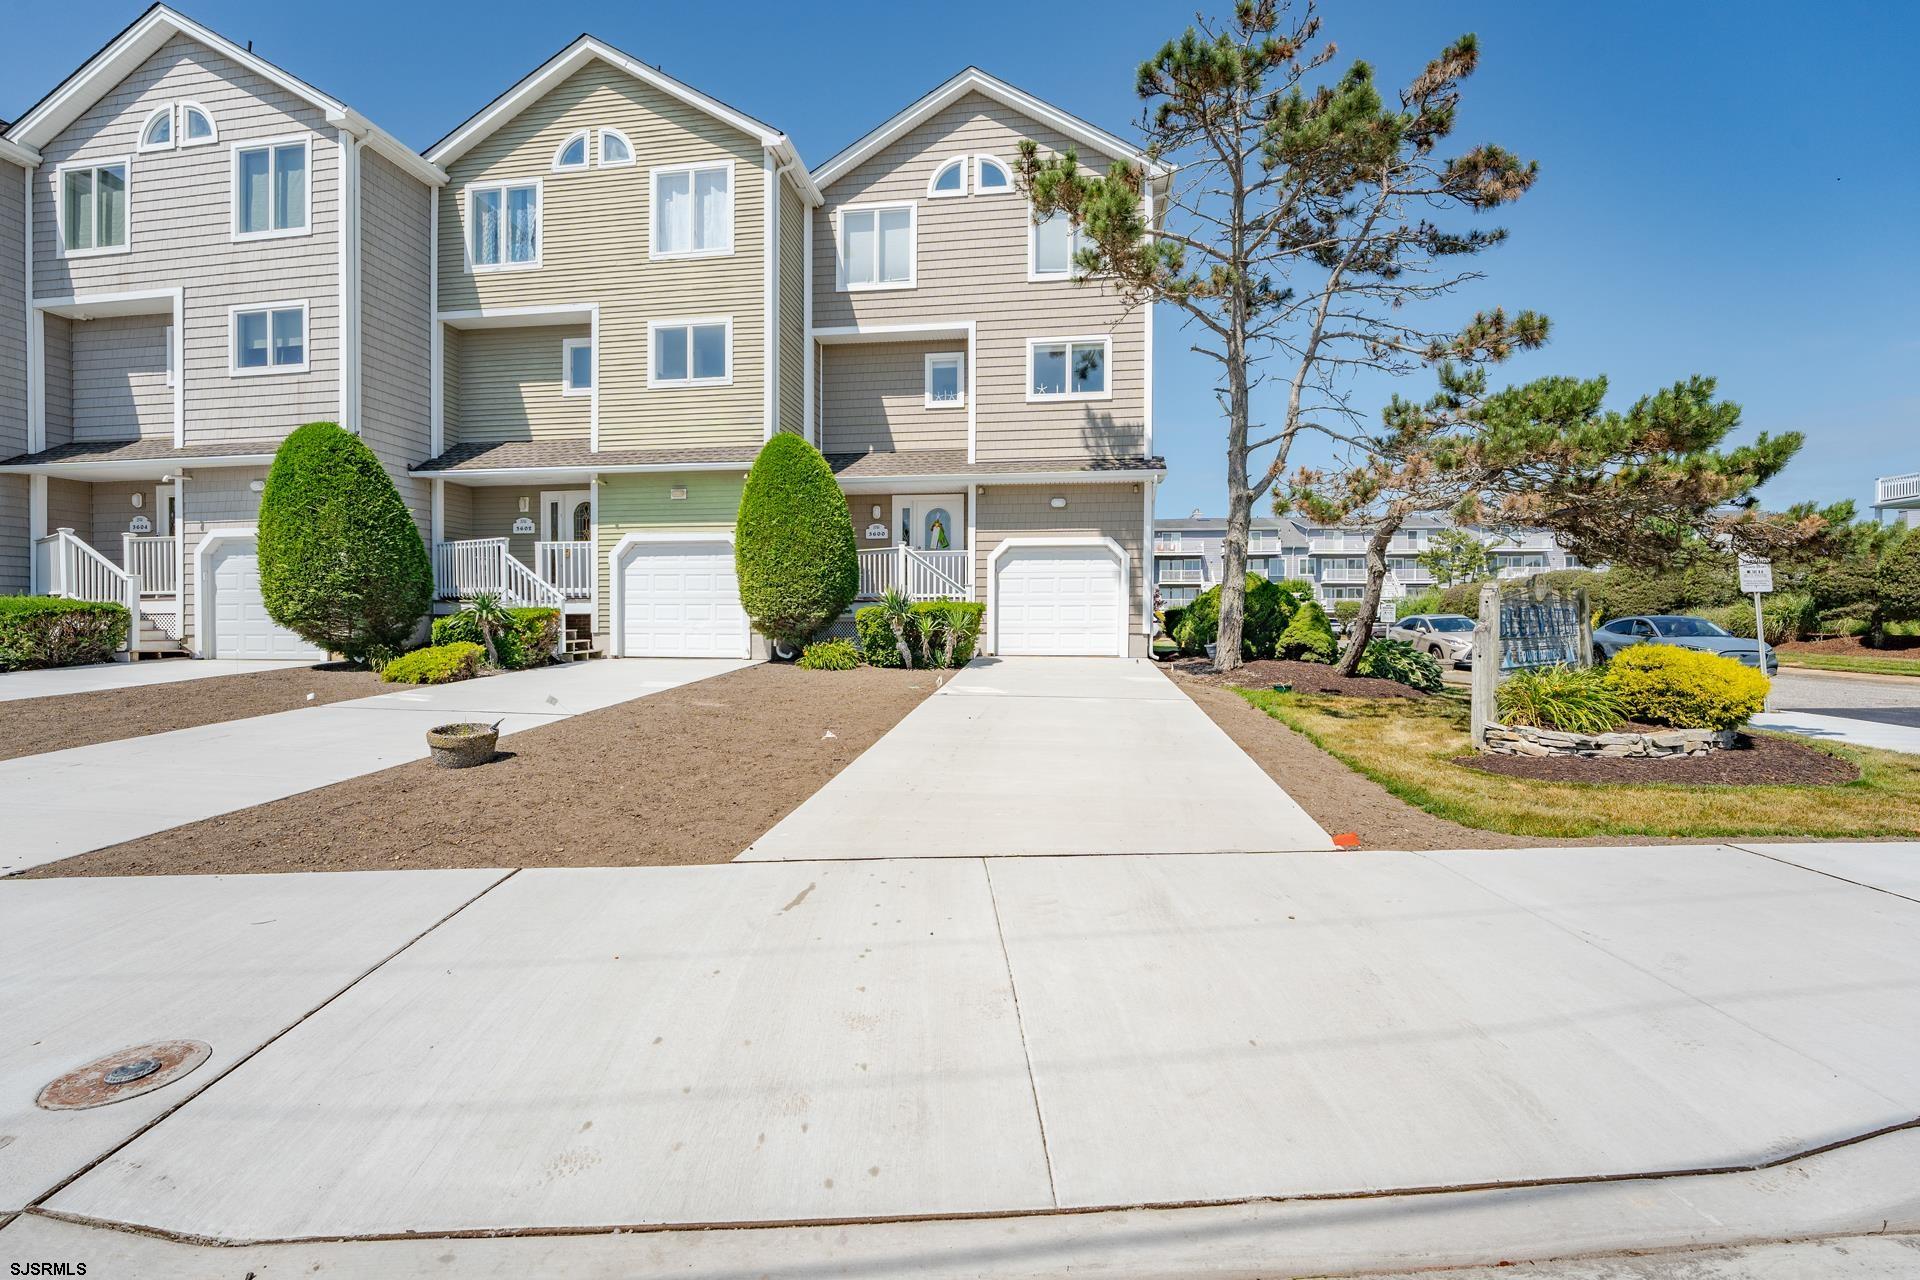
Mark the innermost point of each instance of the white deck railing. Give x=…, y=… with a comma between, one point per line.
x=1896, y=489
x=68, y=567
x=1182, y=577
x=918, y=575
x=154, y=560
x=484, y=566
x=566, y=565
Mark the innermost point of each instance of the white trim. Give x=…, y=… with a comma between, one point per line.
x=833, y=335
x=561, y=496
x=692, y=169
x=36, y=528
x=437, y=518
x=503, y=186
x=36, y=323
x=534, y=474
x=173, y=130
x=166, y=340
x=946, y=482
x=1034, y=274
x=567, y=347
x=512, y=317
x=973, y=400
x=585, y=138
x=966, y=178
x=180, y=125
x=601, y=161
x=770, y=293
x=60, y=250
x=992, y=627
x=1147, y=373
x=203, y=582
x=688, y=323
x=349, y=327
x=980, y=189
x=593, y=601
x=876, y=208
x=616, y=589
x=436, y=335
x=593, y=403
x=809, y=429
x=960, y=380
x=1079, y=340
x=111, y=469
x=1146, y=562
x=234, y=369
x=272, y=147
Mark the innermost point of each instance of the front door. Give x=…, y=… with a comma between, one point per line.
x=566, y=517
x=931, y=521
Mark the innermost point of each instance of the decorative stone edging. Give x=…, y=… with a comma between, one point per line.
x=1521, y=740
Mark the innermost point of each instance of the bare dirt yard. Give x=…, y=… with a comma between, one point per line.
x=693, y=774
x=31, y=726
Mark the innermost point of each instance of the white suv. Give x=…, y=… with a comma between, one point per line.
x=1447, y=637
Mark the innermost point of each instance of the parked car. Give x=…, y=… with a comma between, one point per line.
x=1446, y=637
x=1688, y=633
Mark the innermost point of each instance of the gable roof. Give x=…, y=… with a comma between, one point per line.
x=536, y=83
x=974, y=80
x=152, y=29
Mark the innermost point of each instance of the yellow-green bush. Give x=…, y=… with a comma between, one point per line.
x=1686, y=688
x=436, y=664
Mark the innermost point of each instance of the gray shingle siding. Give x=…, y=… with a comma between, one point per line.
x=14, y=568
x=395, y=356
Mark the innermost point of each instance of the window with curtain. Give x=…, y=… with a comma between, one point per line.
x=691, y=353
x=693, y=211
x=876, y=246
x=271, y=339
x=270, y=189
x=93, y=208
x=615, y=150
x=503, y=225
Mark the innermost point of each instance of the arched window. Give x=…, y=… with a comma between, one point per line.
x=572, y=153
x=615, y=150
x=991, y=176
x=950, y=179
x=157, y=133
x=196, y=125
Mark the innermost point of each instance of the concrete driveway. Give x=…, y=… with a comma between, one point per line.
x=125, y=675
x=1025, y=756
x=67, y=802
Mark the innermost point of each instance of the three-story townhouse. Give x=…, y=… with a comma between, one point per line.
x=989, y=416
x=215, y=252
x=619, y=327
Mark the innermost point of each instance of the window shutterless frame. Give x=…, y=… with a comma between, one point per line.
x=1033, y=248
x=1073, y=349
x=185, y=125
x=299, y=222
x=680, y=330
x=655, y=210
x=569, y=365
x=622, y=143
x=990, y=166
x=91, y=210
x=949, y=179
x=583, y=138
x=503, y=193
x=274, y=314
x=943, y=360
x=866, y=220
x=161, y=122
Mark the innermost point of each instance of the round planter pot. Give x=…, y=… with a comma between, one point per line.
x=461, y=746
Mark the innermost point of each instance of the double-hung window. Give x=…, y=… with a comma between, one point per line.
x=946, y=380
x=270, y=189
x=268, y=339
x=1067, y=369
x=93, y=208
x=503, y=225
x=690, y=353
x=1051, y=247
x=877, y=246
x=576, y=367
x=693, y=210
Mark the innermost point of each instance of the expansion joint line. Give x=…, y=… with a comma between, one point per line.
x=1020, y=1022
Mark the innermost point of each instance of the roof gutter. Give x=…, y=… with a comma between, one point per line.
x=21, y=154
x=387, y=146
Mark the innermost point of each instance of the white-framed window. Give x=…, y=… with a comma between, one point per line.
x=271, y=194
x=616, y=149
x=503, y=225
x=1051, y=245
x=157, y=133
x=166, y=338
x=571, y=155
x=93, y=208
x=946, y=380
x=695, y=352
x=692, y=210
x=576, y=367
x=196, y=125
x=267, y=337
x=991, y=176
x=877, y=246
x=950, y=179
x=1068, y=368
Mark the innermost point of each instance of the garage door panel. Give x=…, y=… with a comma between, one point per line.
x=240, y=623
x=681, y=600
x=1058, y=602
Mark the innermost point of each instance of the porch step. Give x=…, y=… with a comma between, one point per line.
x=578, y=642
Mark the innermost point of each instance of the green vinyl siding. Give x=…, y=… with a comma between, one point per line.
x=631, y=503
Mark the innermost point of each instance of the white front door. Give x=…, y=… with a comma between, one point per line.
x=681, y=600
x=241, y=627
x=931, y=521
x=566, y=516
x=1058, y=601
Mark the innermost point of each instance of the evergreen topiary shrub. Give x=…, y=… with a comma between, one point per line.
x=342, y=564
x=1398, y=660
x=1308, y=637
x=1269, y=610
x=1896, y=587
x=1685, y=688
x=794, y=550
x=528, y=642
x=436, y=664
x=52, y=631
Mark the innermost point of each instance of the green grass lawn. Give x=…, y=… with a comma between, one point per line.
x=1848, y=662
x=1407, y=746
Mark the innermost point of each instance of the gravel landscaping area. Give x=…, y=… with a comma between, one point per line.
x=689, y=775
x=32, y=726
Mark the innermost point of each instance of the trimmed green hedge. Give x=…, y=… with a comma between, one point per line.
x=436, y=664
x=342, y=564
x=794, y=551
x=1269, y=610
x=529, y=643
x=830, y=655
x=877, y=648
x=50, y=631
x=1686, y=688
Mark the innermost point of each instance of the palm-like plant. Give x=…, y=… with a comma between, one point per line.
x=898, y=611
x=953, y=622
x=490, y=616
x=934, y=627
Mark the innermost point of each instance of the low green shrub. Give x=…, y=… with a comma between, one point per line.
x=1790, y=615
x=1571, y=699
x=528, y=642
x=1170, y=619
x=830, y=655
x=1432, y=600
x=1269, y=610
x=1398, y=660
x=1309, y=637
x=1685, y=688
x=436, y=664
x=51, y=631
x=962, y=617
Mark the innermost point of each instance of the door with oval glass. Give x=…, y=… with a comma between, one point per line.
x=564, y=554
x=931, y=521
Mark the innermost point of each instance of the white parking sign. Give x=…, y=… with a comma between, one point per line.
x=1756, y=576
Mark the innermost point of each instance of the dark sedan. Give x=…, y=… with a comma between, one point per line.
x=1687, y=632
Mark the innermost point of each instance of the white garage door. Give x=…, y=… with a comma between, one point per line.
x=680, y=600
x=1058, y=601
x=241, y=627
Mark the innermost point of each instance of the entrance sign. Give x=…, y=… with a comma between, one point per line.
x=1519, y=632
x=1756, y=576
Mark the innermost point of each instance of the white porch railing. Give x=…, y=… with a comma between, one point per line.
x=1182, y=577
x=1896, y=489
x=477, y=566
x=918, y=575
x=154, y=560
x=67, y=566
x=567, y=566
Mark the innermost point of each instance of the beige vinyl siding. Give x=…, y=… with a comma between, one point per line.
x=456, y=512
x=69, y=505
x=180, y=235
x=57, y=350
x=1116, y=511
x=119, y=379
x=793, y=319
x=451, y=341
x=396, y=364
x=860, y=507
x=876, y=393
x=595, y=234
x=510, y=387
x=15, y=568
x=971, y=264
x=629, y=503
x=212, y=499
x=495, y=508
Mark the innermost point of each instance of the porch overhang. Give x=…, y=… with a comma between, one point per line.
x=525, y=462
x=110, y=460
x=946, y=470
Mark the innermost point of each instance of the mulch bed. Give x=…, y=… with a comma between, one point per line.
x=1898, y=647
x=1305, y=677
x=30, y=726
x=1762, y=762
x=689, y=775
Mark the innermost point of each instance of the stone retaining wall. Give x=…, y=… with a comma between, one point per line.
x=1520, y=740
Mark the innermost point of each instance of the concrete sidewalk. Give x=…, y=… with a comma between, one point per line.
x=1853, y=730
x=1040, y=756
x=58, y=681
x=67, y=802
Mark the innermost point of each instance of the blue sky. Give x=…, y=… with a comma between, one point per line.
x=1725, y=189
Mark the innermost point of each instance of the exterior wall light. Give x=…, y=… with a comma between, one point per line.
x=1056, y=503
